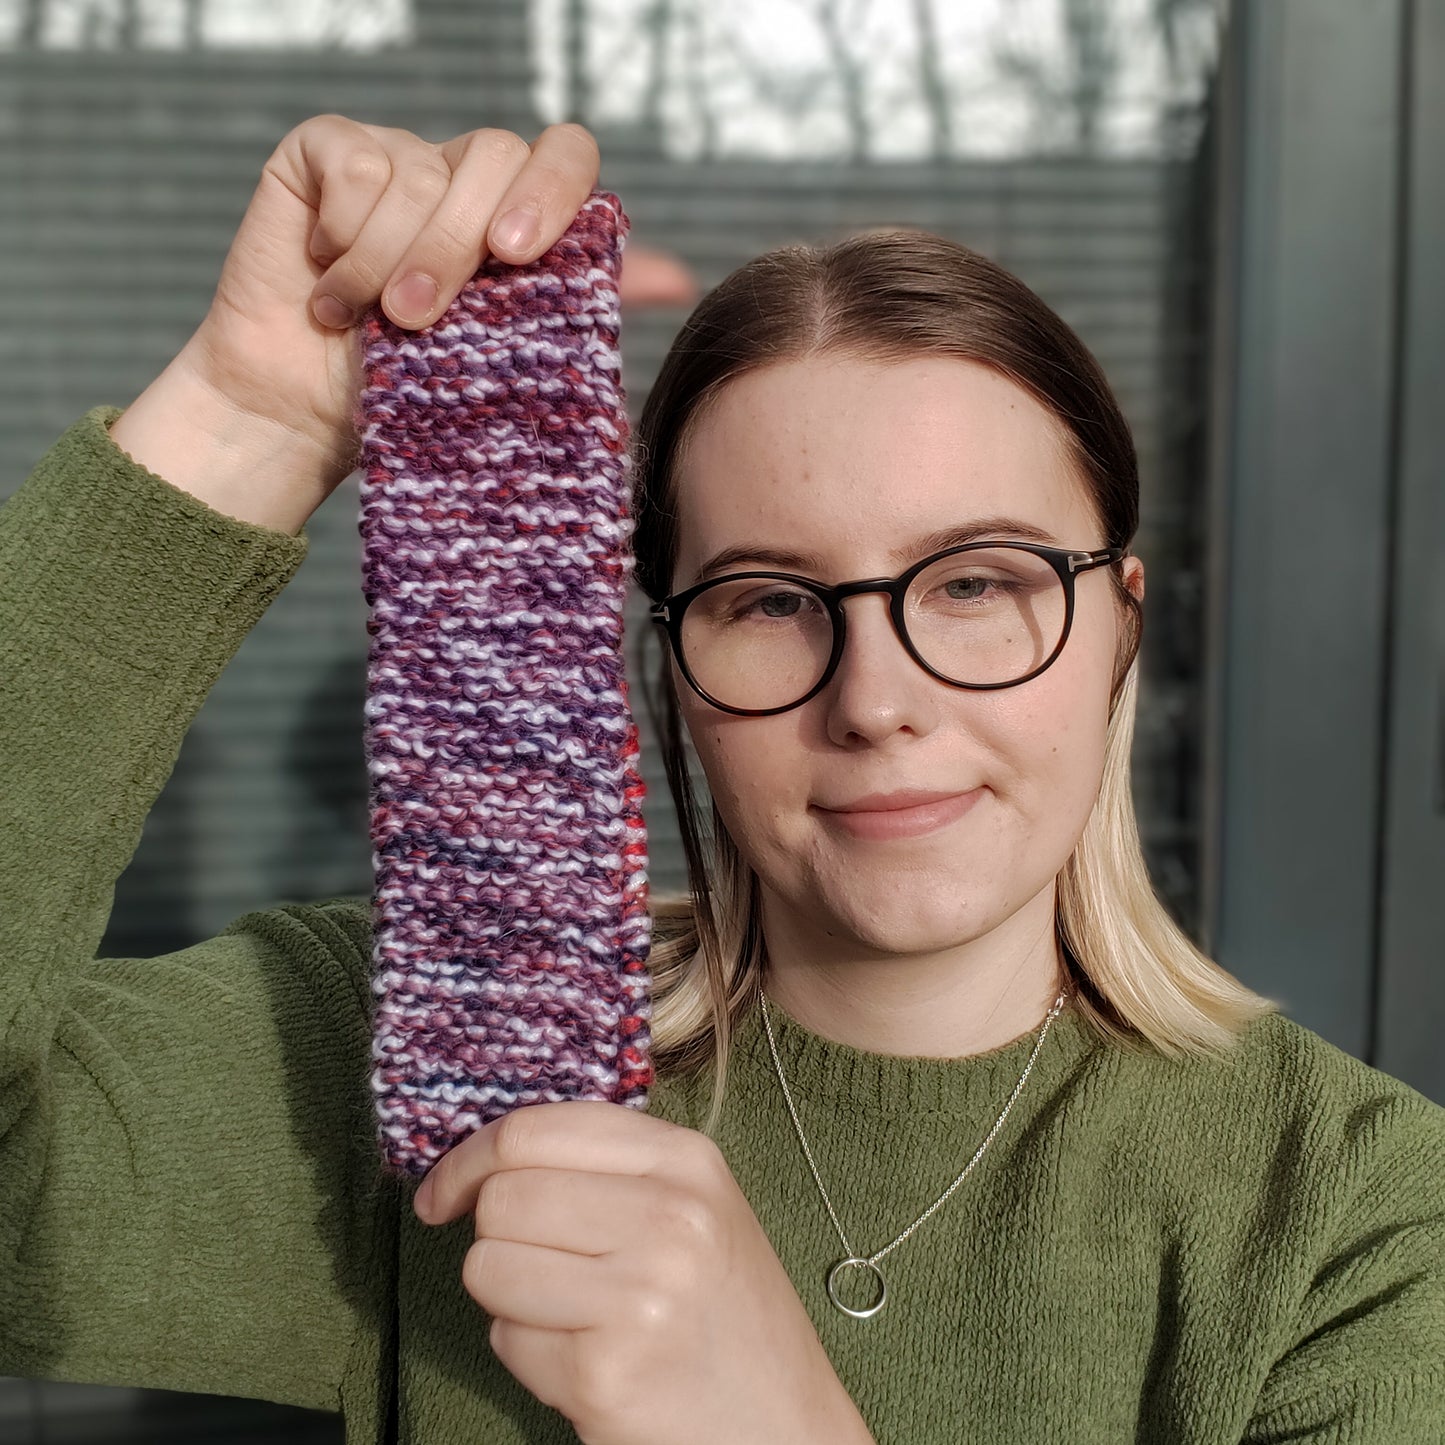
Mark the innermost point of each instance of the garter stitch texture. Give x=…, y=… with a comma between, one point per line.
x=510, y=921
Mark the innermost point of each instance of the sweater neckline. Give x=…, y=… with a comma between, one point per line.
x=824, y=1069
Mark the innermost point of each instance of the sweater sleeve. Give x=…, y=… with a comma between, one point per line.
x=186, y=1195
x=1366, y=1361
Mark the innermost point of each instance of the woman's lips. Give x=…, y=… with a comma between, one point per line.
x=902, y=822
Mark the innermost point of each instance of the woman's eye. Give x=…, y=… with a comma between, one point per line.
x=778, y=604
x=965, y=589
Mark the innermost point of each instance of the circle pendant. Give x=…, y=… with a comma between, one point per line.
x=848, y=1310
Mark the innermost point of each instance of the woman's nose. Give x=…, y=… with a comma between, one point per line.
x=878, y=688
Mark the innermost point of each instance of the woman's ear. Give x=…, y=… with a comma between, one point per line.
x=1131, y=632
x=1133, y=569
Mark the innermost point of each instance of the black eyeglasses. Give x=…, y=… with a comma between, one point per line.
x=983, y=615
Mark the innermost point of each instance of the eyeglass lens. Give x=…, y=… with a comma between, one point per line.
x=989, y=615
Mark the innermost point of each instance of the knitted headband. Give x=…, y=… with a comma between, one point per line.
x=510, y=921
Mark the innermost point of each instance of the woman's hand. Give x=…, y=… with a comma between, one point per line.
x=345, y=213
x=256, y=414
x=630, y=1283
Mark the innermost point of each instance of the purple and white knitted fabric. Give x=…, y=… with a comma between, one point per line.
x=510, y=921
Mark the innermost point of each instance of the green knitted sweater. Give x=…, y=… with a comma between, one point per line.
x=1243, y=1250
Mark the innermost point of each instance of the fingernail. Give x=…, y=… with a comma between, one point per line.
x=413, y=296
x=421, y=1200
x=515, y=231
x=330, y=311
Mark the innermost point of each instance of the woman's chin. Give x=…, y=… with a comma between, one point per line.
x=900, y=926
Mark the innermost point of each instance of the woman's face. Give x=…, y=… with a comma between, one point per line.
x=851, y=462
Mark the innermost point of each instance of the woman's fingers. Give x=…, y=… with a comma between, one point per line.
x=438, y=257
x=485, y=165
x=346, y=169
x=409, y=222
x=543, y=200
x=542, y=1288
x=420, y=185
x=580, y=1211
x=586, y=1134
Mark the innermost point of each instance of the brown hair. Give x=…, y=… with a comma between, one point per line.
x=886, y=296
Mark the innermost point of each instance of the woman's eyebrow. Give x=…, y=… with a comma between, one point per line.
x=939, y=541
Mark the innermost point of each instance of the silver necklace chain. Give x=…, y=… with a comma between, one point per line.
x=852, y=1260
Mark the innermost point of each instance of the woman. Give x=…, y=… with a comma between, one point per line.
x=955, y=1136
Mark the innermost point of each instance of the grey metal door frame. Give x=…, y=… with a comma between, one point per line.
x=1411, y=977
x=1324, y=820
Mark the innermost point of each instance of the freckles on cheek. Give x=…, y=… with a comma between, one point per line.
x=1045, y=728
x=737, y=776
x=760, y=787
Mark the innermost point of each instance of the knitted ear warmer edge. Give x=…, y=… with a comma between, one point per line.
x=510, y=920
